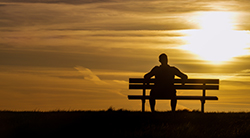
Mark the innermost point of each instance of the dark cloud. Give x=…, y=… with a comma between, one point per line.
x=115, y=33
x=70, y=77
x=57, y=1
x=8, y=30
x=141, y=5
x=108, y=15
x=105, y=15
x=54, y=18
x=121, y=59
x=158, y=7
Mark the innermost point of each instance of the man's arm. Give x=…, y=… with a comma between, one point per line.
x=183, y=76
x=150, y=74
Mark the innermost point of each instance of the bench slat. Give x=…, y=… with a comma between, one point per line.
x=178, y=97
x=195, y=87
x=207, y=81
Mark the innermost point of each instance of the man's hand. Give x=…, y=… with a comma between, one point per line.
x=184, y=79
x=183, y=82
x=146, y=81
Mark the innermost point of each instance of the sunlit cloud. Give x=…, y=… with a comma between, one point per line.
x=216, y=40
x=89, y=75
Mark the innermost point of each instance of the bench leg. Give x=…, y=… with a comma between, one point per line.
x=202, y=105
x=143, y=105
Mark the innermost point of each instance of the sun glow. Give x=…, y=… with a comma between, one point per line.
x=216, y=41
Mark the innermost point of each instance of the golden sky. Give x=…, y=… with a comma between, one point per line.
x=79, y=55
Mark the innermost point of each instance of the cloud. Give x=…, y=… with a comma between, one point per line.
x=102, y=15
x=57, y=1
x=89, y=75
x=149, y=15
x=148, y=6
x=245, y=73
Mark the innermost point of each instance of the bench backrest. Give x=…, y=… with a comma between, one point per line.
x=199, y=84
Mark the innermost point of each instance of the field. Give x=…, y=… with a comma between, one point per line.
x=122, y=123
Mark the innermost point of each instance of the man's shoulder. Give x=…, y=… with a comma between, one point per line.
x=156, y=67
x=174, y=68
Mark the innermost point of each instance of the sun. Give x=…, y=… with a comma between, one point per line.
x=216, y=41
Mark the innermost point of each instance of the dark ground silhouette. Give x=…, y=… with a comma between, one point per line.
x=120, y=123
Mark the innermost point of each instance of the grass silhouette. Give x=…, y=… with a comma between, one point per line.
x=124, y=123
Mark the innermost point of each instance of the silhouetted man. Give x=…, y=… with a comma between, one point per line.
x=164, y=82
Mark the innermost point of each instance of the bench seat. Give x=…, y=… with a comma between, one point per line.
x=189, y=84
x=131, y=97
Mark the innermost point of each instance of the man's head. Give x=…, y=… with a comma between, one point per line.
x=163, y=58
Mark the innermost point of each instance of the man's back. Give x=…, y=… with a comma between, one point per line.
x=164, y=77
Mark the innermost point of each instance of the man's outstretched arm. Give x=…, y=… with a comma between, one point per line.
x=149, y=75
x=183, y=76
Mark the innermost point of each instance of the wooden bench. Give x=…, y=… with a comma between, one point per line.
x=190, y=84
